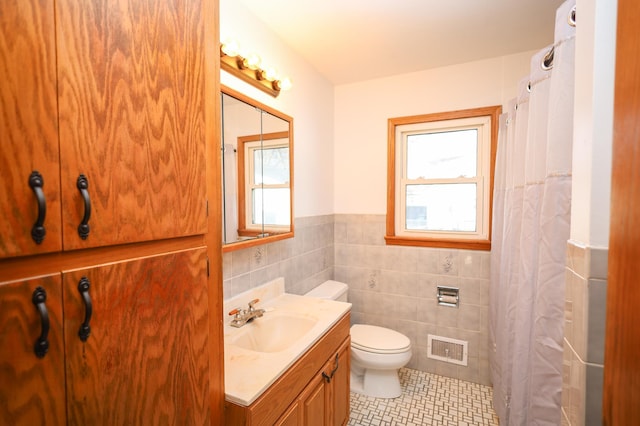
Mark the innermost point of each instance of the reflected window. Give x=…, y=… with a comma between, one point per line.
x=265, y=198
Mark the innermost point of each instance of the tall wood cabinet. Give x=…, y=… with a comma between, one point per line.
x=110, y=287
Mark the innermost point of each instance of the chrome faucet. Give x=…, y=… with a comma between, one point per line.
x=243, y=316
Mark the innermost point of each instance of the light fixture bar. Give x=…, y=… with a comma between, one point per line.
x=235, y=65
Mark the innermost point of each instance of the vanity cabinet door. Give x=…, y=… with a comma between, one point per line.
x=309, y=408
x=131, y=83
x=28, y=128
x=31, y=386
x=146, y=358
x=339, y=393
x=313, y=403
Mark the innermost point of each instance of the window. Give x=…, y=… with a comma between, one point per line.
x=263, y=184
x=440, y=179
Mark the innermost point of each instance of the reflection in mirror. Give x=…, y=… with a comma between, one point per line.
x=257, y=172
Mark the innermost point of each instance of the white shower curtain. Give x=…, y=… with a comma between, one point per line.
x=531, y=213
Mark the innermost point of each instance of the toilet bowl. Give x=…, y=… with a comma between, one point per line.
x=377, y=353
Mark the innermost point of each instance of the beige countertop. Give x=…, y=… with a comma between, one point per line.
x=248, y=373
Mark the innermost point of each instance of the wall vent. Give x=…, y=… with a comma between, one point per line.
x=447, y=349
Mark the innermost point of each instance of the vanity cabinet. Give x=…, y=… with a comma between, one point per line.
x=314, y=391
x=114, y=93
x=325, y=400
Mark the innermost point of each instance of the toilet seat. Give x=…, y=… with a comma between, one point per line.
x=380, y=340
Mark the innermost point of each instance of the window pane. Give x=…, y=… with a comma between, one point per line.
x=277, y=206
x=442, y=155
x=442, y=207
x=271, y=166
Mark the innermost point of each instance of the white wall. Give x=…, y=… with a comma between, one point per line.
x=310, y=102
x=362, y=110
x=340, y=151
x=593, y=121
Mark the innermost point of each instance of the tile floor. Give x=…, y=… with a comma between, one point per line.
x=427, y=399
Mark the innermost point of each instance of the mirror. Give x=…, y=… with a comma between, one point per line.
x=257, y=172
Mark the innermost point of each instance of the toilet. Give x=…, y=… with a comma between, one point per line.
x=377, y=353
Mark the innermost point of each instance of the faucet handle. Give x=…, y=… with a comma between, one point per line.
x=253, y=302
x=236, y=311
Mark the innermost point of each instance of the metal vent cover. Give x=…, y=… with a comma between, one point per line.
x=447, y=349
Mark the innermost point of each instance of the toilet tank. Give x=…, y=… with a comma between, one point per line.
x=333, y=290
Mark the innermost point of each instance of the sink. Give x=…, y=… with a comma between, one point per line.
x=273, y=332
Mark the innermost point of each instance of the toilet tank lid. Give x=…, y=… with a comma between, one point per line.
x=378, y=339
x=328, y=290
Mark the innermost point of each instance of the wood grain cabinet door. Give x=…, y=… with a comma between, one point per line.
x=28, y=128
x=31, y=386
x=131, y=82
x=312, y=402
x=340, y=386
x=146, y=358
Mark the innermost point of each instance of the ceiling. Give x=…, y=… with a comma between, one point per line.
x=356, y=40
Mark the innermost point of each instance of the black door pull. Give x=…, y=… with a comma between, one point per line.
x=328, y=377
x=83, y=187
x=42, y=343
x=36, y=182
x=85, y=328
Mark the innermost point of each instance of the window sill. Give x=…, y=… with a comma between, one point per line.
x=392, y=240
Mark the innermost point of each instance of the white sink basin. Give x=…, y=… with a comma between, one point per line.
x=273, y=332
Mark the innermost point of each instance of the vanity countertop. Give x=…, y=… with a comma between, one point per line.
x=249, y=373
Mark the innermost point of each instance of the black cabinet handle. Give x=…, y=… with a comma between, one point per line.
x=328, y=377
x=85, y=328
x=83, y=187
x=36, y=182
x=42, y=344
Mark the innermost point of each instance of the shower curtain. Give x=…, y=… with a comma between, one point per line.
x=531, y=214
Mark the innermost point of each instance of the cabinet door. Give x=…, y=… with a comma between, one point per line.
x=340, y=385
x=28, y=126
x=131, y=104
x=313, y=402
x=146, y=360
x=31, y=386
x=292, y=417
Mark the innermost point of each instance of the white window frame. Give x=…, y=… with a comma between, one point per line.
x=485, y=120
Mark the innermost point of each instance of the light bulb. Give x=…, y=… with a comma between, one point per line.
x=270, y=73
x=230, y=48
x=285, y=83
x=252, y=61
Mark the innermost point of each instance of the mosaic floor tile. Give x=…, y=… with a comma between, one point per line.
x=427, y=399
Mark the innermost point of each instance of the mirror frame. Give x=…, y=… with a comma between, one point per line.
x=239, y=245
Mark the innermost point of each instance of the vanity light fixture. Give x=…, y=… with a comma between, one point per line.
x=249, y=68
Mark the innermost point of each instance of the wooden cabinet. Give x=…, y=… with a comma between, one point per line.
x=314, y=391
x=146, y=357
x=124, y=107
x=116, y=92
x=28, y=126
x=325, y=400
x=146, y=360
x=31, y=388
